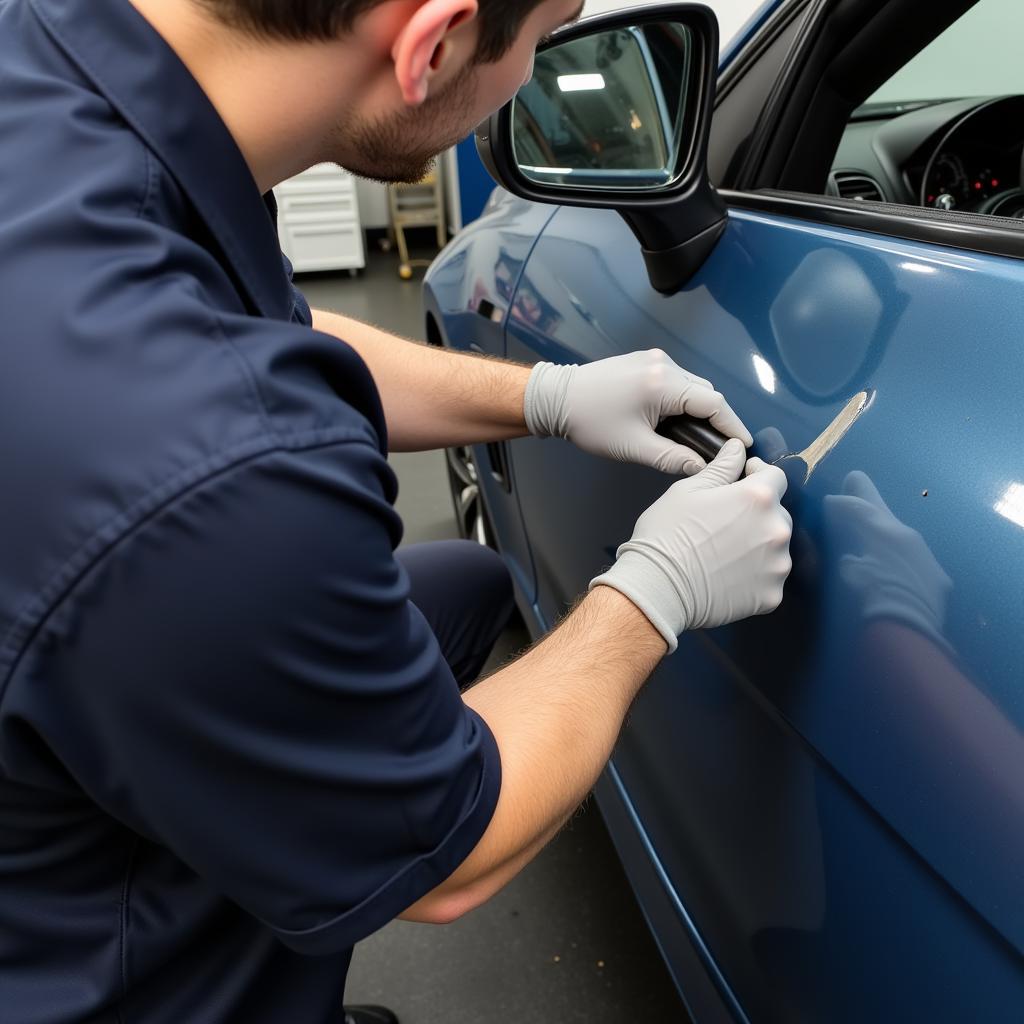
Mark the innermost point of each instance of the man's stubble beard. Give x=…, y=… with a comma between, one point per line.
x=403, y=148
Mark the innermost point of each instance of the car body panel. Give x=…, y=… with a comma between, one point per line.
x=837, y=809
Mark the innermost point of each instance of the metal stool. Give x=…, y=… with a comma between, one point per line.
x=419, y=205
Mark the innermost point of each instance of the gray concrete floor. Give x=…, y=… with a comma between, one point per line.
x=565, y=942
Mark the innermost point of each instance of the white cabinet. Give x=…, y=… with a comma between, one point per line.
x=318, y=220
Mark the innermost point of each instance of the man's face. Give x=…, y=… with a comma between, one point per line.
x=401, y=146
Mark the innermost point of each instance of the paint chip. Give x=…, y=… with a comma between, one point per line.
x=827, y=440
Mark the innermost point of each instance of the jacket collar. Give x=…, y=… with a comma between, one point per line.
x=140, y=75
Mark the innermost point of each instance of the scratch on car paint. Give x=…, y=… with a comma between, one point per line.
x=820, y=448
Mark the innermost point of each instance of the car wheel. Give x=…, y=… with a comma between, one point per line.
x=470, y=514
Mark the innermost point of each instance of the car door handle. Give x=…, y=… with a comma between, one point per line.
x=498, y=457
x=694, y=433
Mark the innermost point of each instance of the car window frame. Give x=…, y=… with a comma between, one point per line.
x=754, y=179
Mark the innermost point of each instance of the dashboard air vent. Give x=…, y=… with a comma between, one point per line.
x=857, y=186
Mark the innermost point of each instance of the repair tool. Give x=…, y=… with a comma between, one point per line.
x=696, y=434
x=707, y=442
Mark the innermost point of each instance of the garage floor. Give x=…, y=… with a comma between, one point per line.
x=565, y=942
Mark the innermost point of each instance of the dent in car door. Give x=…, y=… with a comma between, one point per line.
x=836, y=792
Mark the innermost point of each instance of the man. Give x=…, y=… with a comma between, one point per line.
x=230, y=744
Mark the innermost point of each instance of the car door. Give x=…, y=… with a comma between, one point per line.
x=833, y=795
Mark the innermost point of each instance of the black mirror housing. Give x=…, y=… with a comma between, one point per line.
x=678, y=222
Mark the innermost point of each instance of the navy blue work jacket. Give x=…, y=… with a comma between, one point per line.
x=229, y=745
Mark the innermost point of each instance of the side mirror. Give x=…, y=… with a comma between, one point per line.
x=617, y=116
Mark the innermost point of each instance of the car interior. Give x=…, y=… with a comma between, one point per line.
x=909, y=103
x=947, y=130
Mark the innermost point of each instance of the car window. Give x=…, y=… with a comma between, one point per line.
x=978, y=55
x=946, y=131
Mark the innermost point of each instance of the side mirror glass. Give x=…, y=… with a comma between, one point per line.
x=607, y=110
x=617, y=117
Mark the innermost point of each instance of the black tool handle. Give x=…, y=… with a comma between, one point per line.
x=694, y=433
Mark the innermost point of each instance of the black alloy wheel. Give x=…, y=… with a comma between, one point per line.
x=470, y=514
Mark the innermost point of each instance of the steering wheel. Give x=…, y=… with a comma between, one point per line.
x=977, y=128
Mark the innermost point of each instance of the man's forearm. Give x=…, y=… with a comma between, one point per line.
x=433, y=397
x=555, y=714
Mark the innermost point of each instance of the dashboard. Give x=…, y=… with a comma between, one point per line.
x=959, y=155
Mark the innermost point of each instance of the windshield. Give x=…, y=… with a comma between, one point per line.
x=979, y=55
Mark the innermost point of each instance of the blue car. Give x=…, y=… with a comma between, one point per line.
x=821, y=810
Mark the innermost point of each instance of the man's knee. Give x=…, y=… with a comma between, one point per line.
x=487, y=569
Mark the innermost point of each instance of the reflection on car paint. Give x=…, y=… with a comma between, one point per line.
x=1011, y=504
x=830, y=321
x=532, y=308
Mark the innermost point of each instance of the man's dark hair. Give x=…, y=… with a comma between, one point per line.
x=307, y=20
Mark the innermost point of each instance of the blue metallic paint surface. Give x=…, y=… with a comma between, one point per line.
x=838, y=803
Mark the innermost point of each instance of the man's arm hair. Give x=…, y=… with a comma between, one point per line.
x=556, y=714
x=434, y=397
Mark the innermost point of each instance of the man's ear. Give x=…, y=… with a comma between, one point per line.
x=420, y=46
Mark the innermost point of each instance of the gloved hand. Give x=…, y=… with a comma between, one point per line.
x=711, y=550
x=895, y=576
x=612, y=407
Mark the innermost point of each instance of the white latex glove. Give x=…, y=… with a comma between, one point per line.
x=612, y=408
x=713, y=549
x=896, y=576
